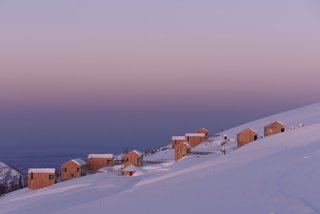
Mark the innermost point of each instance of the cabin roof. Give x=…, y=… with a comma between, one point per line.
x=276, y=122
x=204, y=129
x=249, y=129
x=79, y=161
x=42, y=170
x=184, y=143
x=195, y=134
x=178, y=138
x=131, y=168
x=135, y=151
x=109, y=156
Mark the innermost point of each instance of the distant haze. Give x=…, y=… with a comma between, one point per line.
x=101, y=76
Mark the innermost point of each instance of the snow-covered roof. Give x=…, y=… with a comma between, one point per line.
x=42, y=170
x=248, y=129
x=79, y=161
x=178, y=138
x=276, y=122
x=131, y=168
x=195, y=134
x=100, y=156
x=135, y=151
x=184, y=143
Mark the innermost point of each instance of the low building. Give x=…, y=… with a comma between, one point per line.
x=73, y=169
x=98, y=161
x=275, y=127
x=41, y=177
x=129, y=170
x=133, y=158
x=194, y=139
x=246, y=136
x=181, y=150
x=175, y=140
x=204, y=131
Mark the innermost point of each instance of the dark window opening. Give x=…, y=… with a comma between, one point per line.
x=282, y=130
x=65, y=169
x=78, y=169
x=256, y=137
x=31, y=176
x=51, y=177
x=72, y=175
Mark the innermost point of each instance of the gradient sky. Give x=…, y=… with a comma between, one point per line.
x=105, y=75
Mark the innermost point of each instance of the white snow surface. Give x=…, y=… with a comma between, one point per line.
x=79, y=161
x=276, y=174
x=100, y=156
x=42, y=170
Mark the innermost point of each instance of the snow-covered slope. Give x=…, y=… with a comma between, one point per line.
x=277, y=174
x=8, y=175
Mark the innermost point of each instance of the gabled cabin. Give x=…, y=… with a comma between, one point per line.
x=175, y=140
x=41, y=177
x=98, y=161
x=181, y=150
x=129, y=170
x=246, y=136
x=73, y=169
x=133, y=158
x=274, y=128
x=204, y=131
x=194, y=139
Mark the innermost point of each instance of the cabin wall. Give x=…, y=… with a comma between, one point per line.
x=203, y=131
x=176, y=142
x=246, y=137
x=74, y=170
x=194, y=140
x=181, y=151
x=41, y=180
x=274, y=128
x=133, y=158
x=94, y=164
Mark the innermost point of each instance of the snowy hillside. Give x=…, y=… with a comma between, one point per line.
x=8, y=175
x=277, y=174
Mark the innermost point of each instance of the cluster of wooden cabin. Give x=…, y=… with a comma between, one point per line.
x=44, y=177
x=249, y=135
x=182, y=144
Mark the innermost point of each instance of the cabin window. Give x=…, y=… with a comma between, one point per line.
x=78, y=169
x=65, y=169
x=31, y=176
x=282, y=130
x=256, y=137
x=51, y=177
x=72, y=175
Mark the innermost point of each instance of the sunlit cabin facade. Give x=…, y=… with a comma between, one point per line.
x=194, y=139
x=41, y=178
x=175, y=140
x=274, y=128
x=133, y=157
x=246, y=136
x=129, y=170
x=98, y=161
x=204, y=131
x=73, y=169
x=181, y=150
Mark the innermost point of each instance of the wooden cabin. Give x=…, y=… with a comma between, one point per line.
x=73, y=169
x=175, y=140
x=181, y=150
x=133, y=158
x=130, y=170
x=98, y=161
x=246, y=136
x=194, y=139
x=42, y=177
x=204, y=131
x=274, y=128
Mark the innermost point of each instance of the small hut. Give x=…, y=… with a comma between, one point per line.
x=275, y=127
x=246, y=136
x=41, y=177
x=73, y=169
x=181, y=150
x=175, y=140
x=98, y=161
x=194, y=139
x=134, y=157
x=129, y=170
x=204, y=131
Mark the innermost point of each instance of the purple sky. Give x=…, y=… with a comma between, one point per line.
x=115, y=74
